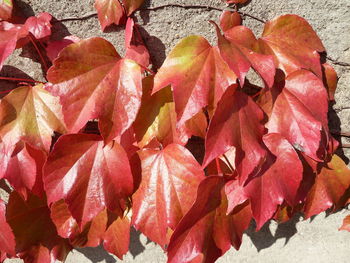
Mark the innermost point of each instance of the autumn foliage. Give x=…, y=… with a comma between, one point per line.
x=189, y=154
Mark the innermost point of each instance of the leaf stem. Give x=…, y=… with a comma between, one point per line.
x=39, y=53
x=18, y=79
x=218, y=167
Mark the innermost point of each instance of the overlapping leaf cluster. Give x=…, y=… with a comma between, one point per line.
x=188, y=155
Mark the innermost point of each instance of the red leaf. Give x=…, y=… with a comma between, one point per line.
x=237, y=47
x=170, y=178
x=24, y=170
x=132, y=5
x=92, y=82
x=330, y=185
x=268, y=191
x=109, y=12
x=300, y=113
x=6, y=7
x=331, y=80
x=230, y=127
x=87, y=174
x=293, y=43
x=30, y=114
x=54, y=48
x=7, y=239
x=346, y=224
x=39, y=25
x=206, y=232
x=229, y=20
x=134, y=45
x=36, y=236
x=198, y=76
x=117, y=237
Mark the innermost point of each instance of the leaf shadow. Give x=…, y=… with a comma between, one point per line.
x=264, y=238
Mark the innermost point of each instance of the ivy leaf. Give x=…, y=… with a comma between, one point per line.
x=293, y=44
x=237, y=49
x=157, y=117
x=269, y=190
x=54, y=47
x=134, y=45
x=7, y=239
x=300, y=113
x=331, y=80
x=28, y=219
x=170, y=178
x=330, y=184
x=39, y=25
x=236, y=123
x=229, y=20
x=24, y=170
x=30, y=114
x=198, y=76
x=6, y=7
x=346, y=224
x=109, y=12
x=88, y=175
x=132, y=5
x=92, y=82
x=117, y=237
x=206, y=229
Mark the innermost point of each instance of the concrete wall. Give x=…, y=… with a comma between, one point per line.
x=315, y=240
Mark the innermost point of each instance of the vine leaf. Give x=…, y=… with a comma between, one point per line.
x=300, y=113
x=134, y=45
x=117, y=237
x=206, y=228
x=24, y=170
x=237, y=49
x=280, y=38
x=331, y=80
x=6, y=7
x=330, y=184
x=268, y=191
x=93, y=81
x=198, y=75
x=30, y=114
x=39, y=25
x=109, y=12
x=346, y=224
x=132, y=5
x=157, y=117
x=170, y=178
x=229, y=20
x=237, y=123
x=54, y=47
x=88, y=175
x=7, y=239
x=27, y=220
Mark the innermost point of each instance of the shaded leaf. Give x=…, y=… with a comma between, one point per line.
x=300, y=113
x=28, y=219
x=198, y=76
x=236, y=123
x=330, y=80
x=109, y=12
x=275, y=185
x=237, y=47
x=132, y=5
x=134, y=44
x=229, y=19
x=293, y=44
x=7, y=239
x=30, y=114
x=6, y=7
x=88, y=175
x=170, y=178
x=92, y=82
x=330, y=184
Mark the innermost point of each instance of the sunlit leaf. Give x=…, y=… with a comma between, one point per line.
x=109, y=12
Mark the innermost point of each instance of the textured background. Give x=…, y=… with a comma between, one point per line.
x=315, y=240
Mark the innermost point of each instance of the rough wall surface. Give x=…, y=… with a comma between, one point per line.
x=318, y=240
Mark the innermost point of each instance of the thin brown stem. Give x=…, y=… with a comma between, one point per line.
x=338, y=133
x=228, y=162
x=67, y=19
x=339, y=63
x=346, y=146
